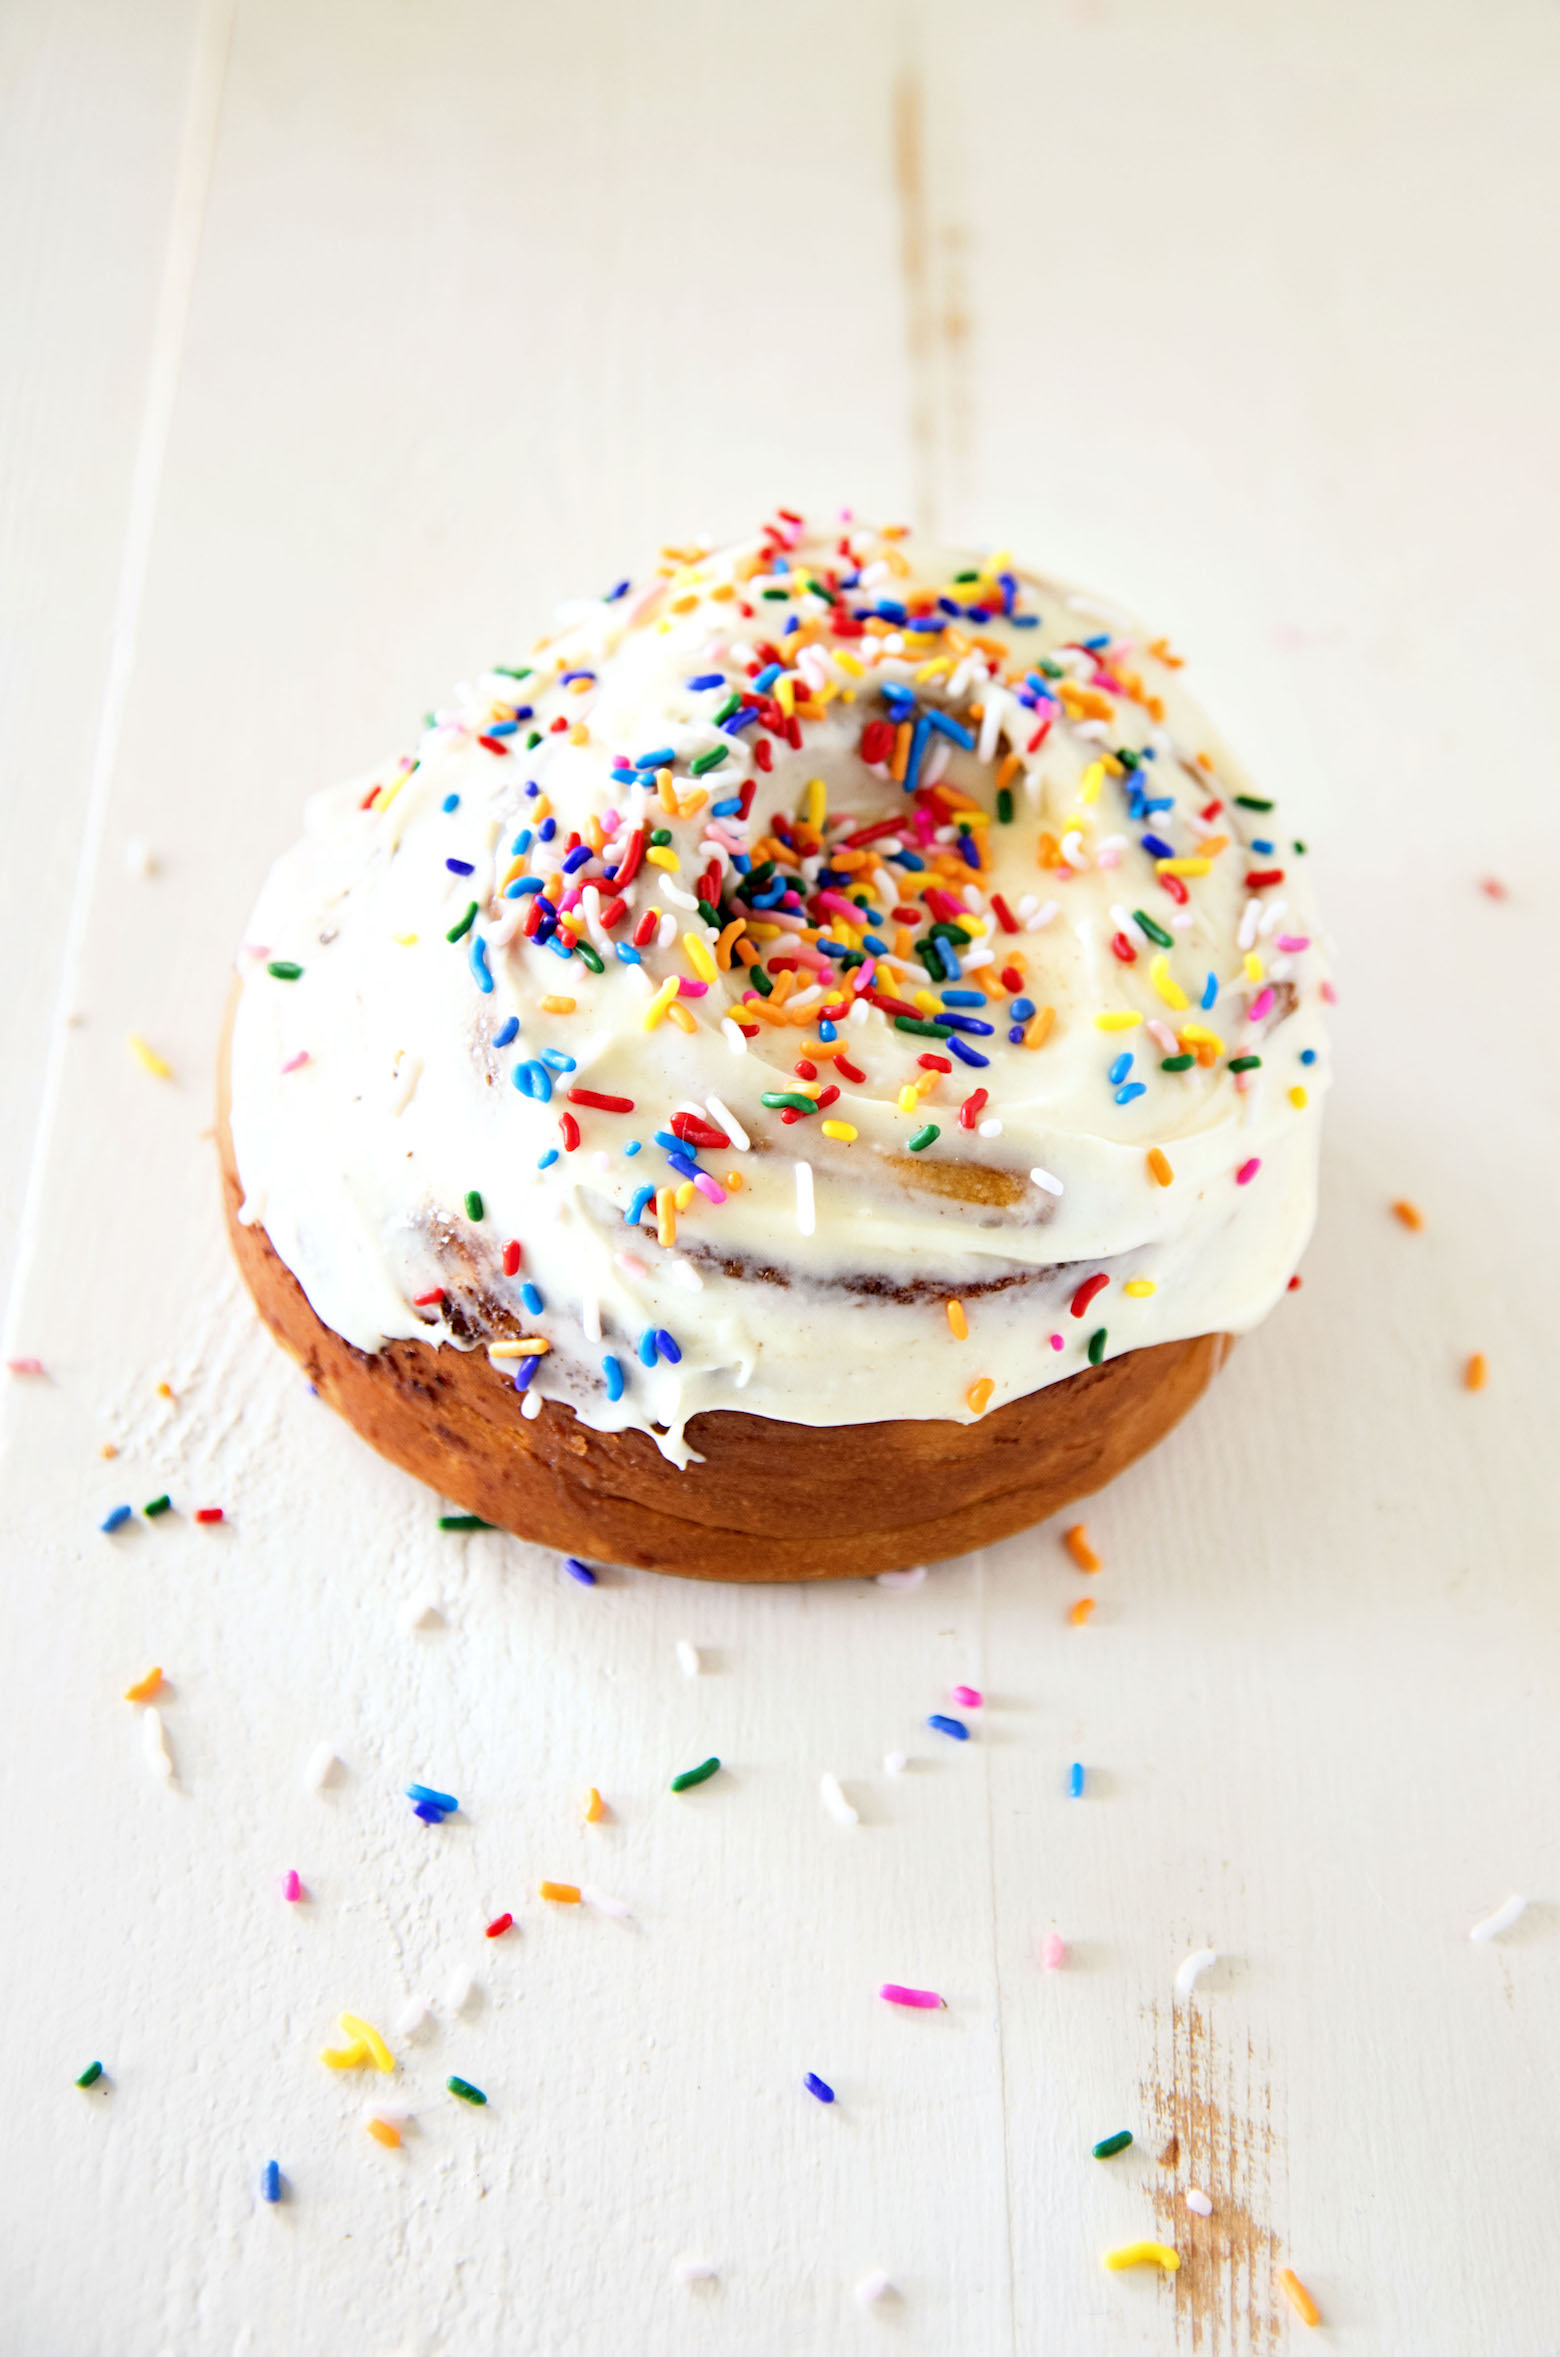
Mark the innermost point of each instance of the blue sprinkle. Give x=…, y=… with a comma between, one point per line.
x=1257, y=844
x=1015, y=1034
x=533, y=1080
x=819, y=2087
x=532, y=788
x=968, y=1055
x=507, y=1031
x=613, y=595
x=953, y=730
x=1119, y=1070
x=1101, y=639
x=572, y=1564
x=525, y=1373
x=1307, y=1056
x=708, y=679
x=629, y=954
x=570, y=676
x=271, y=2182
x=577, y=858
x=1075, y=1780
x=450, y=802
x=963, y=998
x=532, y=1299
x=727, y=809
x=435, y=1799
x=636, y=1209
x=969, y=851
x=503, y=728
x=875, y=942
x=1021, y=1009
x=556, y=1058
x=548, y=1159
x=918, y=737
x=458, y=867
x=428, y=1813
x=767, y=677
x=1158, y=846
x=647, y=1347
x=733, y=727
x=681, y=1164
x=116, y=1518
x=613, y=1370
x=907, y=859
x=1134, y=1088
x=634, y=1146
x=556, y=943
x=522, y=887
x=1025, y=621
x=946, y=1726
x=1210, y=991
x=546, y=831
x=477, y=956
x=667, y=1347
x=827, y=1033
x=967, y=1023
x=661, y=758
x=892, y=611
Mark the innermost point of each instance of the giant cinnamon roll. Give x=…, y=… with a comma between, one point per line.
x=801, y=1074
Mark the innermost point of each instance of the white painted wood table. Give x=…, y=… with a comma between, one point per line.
x=339, y=340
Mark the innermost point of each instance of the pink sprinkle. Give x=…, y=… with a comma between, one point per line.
x=1294, y=942
x=927, y=2000
x=1261, y=1005
x=1248, y=1171
x=609, y=823
x=1057, y=1342
x=1329, y=994
x=24, y=1366
x=686, y=988
x=292, y=1888
x=1108, y=859
x=861, y=979
x=710, y=1188
x=1053, y=1954
x=630, y=1264
x=293, y=1062
x=970, y=1696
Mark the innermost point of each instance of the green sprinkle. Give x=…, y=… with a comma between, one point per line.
x=776, y=1099
x=1005, y=805
x=1251, y=802
x=959, y=577
x=659, y=838
x=1244, y=1063
x=710, y=913
x=1300, y=847
x=465, y=2090
x=1156, y=933
x=760, y=981
x=925, y=1137
x=774, y=595
x=692, y=1776
x=510, y=671
x=456, y=932
x=1127, y=758
x=708, y=761
x=943, y=931
x=91, y=2075
x=592, y=956
x=162, y=1505
x=464, y=1522
x=533, y=740
x=1113, y=2144
x=1181, y=1063
x=732, y=704
x=284, y=969
x=473, y=1204
x=922, y=1030
x=1096, y=1346
x=1048, y=669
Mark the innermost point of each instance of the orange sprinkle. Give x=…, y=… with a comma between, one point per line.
x=108, y=1449
x=1038, y=1029
x=383, y=2133
x=566, y=1893
x=1081, y=1611
x=732, y=1182
x=1475, y=1373
x=557, y=1006
x=1409, y=1213
x=1076, y=1541
x=901, y=758
x=677, y=1013
x=666, y=1217
x=978, y=1397
x=594, y=1807
x=958, y=1321
x=1298, y=2297
x=727, y=942
x=1160, y=1167
x=165, y=1391
x=145, y=1688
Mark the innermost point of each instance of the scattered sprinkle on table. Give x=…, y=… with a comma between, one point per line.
x=292, y=1886
x=562, y=1894
x=692, y=1776
x=115, y=1518
x=949, y=1726
x=271, y=2182
x=1188, y=1971
x=1081, y=1611
x=1505, y=1915
x=1109, y=2145
x=1053, y=1952
x=1298, y=2297
x=144, y=1688
x=833, y=1796
x=91, y=2075
x=970, y=1696
x=579, y=1571
x=156, y=1506
x=1075, y=1780
x=1076, y=1541
x=813, y=2084
x=1198, y=2202
x=499, y=1925
x=871, y=2288
x=1475, y=1375
x=1144, y=2254
x=1408, y=1214
x=465, y=2090
x=687, y=1658
x=370, y=2040
x=148, y=1058
x=919, y=2000
x=24, y=1366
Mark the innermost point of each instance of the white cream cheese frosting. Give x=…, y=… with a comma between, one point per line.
x=739, y=796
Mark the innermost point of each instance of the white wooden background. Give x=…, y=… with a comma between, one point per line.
x=341, y=336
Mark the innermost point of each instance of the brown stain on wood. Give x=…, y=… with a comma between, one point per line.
x=1213, y=2119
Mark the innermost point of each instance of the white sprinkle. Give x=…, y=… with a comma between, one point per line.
x=1072, y=849
x=1198, y=2201
x=139, y=859
x=458, y=1990
x=154, y=1743
x=413, y=2018
x=832, y=1794
x=872, y=2287
x=991, y=1128
x=320, y=1767
x=725, y=1119
x=991, y=722
x=735, y=1039
x=531, y=1406
x=682, y=1272
x=895, y=1762
x=666, y=931
x=421, y=1612
x=687, y=1658
x=603, y=1902
x=695, y=2270
x=1191, y=1967
x=1164, y=1035
x=806, y=1218
x=860, y=1009
x=590, y=1317
x=902, y=1579
x=1502, y=1920
x=1251, y=917
x=1043, y=1178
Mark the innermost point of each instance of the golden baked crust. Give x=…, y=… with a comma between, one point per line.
x=770, y=1501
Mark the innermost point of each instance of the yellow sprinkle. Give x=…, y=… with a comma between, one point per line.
x=978, y=1398
x=1298, y=2297
x=1140, y=1287
x=553, y=1005
x=1144, y=2254
x=663, y=856
x=1184, y=867
x=697, y=951
x=1252, y=968
x=404, y=940
x=565, y=1893
x=1166, y=984
x=515, y=868
x=1298, y=1098
x=144, y=1688
x=579, y=734
x=541, y=808
x=850, y=664
x=958, y=1321
x=384, y=2133
x=661, y=1001
x=845, y=1131
x=908, y=1100
x=927, y=1001
x=593, y=1807
x=344, y=2058
x=383, y=2059
x=1038, y=1029
x=666, y=791
x=532, y=1347
x=1117, y=1019
x=684, y=1195
x=666, y=1217
x=817, y=801
x=148, y=1058
x=1201, y=1037
x=1159, y=1166
x=1093, y=779
x=581, y=687
x=785, y=694
x=680, y=1015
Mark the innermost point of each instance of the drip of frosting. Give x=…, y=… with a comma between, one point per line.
x=787, y=991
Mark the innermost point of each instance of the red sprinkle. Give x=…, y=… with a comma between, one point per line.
x=533, y=915
x=1294, y=1285
x=1176, y=889
x=1122, y=948
x=1039, y=737
x=427, y=1300
x=369, y=799
x=1211, y=809
x=208, y=1514
x=571, y=1132
x=1087, y=1290
x=850, y=1070
x=830, y=1096
x=1012, y=979
x=1248, y=1171
x=558, y=726
x=1258, y=879
x=877, y=743
x=594, y=1097
x=804, y=1070
x=628, y=867
x=1005, y=916
x=935, y=1063
x=970, y=1110
x=492, y=744
x=645, y=927
x=695, y=1132
x=499, y=1925
x=511, y=1259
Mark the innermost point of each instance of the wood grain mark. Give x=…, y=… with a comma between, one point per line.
x=1212, y=2109
x=938, y=329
